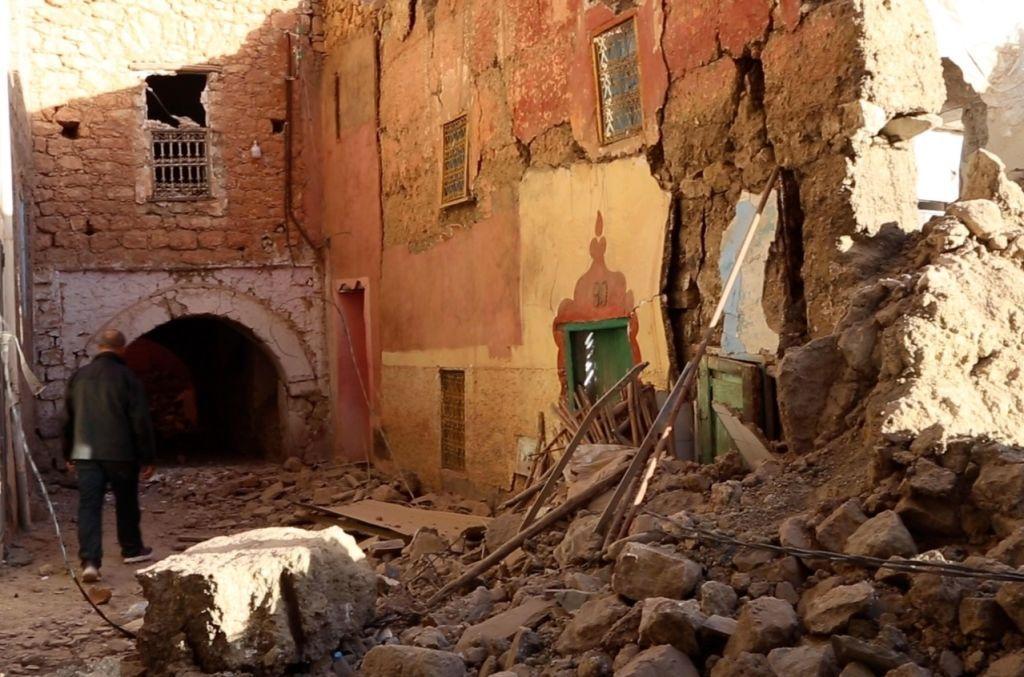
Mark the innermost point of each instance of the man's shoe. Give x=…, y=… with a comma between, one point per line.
x=90, y=573
x=145, y=555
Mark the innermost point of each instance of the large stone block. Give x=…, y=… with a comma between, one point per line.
x=643, y=571
x=410, y=661
x=259, y=601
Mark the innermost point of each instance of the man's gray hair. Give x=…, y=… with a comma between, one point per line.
x=111, y=339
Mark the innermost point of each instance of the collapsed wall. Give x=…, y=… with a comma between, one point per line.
x=929, y=351
x=476, y=288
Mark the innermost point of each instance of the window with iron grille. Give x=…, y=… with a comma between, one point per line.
x=181, y=164
x=453, y=419
x=455, y=162
x=618, y=82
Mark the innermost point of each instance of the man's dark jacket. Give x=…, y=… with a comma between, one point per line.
x=107, y=414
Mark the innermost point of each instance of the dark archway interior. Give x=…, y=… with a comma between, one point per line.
x=212, y=389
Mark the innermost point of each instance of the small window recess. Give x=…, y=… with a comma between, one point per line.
x=455, y=162
x=617, y=77
x=69, y=128
x=277, y=125
x=180, y=143
x=453, y=419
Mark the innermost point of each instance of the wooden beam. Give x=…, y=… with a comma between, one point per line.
x=595, y=410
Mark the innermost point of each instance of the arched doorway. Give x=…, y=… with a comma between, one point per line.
x=213, y=390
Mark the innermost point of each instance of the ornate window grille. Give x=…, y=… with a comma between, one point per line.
x=453, y=419
x=181, y=164
x=618, y=82
x=455, y=162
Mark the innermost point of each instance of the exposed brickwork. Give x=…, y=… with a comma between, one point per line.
x=97, y=230
x=92, y=197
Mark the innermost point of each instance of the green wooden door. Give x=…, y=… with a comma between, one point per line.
x=599, y=354
x=735, y=384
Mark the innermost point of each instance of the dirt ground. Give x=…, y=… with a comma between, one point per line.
x=46, y=628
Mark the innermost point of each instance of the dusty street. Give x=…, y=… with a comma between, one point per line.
x=47, y=628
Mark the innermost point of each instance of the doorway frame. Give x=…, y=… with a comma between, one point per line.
x=360, y=395
x=595, y=325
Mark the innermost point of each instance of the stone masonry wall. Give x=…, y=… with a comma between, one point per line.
x=99, y=238
x=92, y=197
x=280, y=305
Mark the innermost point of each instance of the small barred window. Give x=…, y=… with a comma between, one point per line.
x=618, y=82
x=453, y=419
x=455, y=162
x=181, y=164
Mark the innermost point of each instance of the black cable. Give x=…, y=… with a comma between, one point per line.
x=64, y=553
x=903, y=565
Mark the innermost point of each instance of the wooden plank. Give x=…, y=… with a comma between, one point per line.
x=705, y=436
x=504, y=625
x=570, y=506
x=750, y=446
x=407, y=521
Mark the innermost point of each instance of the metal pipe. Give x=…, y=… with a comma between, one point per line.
x=289, y=212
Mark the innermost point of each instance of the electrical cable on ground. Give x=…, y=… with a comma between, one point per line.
x=910, y=566
x=64, y=554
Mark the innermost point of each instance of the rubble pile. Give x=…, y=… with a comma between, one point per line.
x=901, y=431
x=288, y=494
x=930, y=350
x=662, y=601
x=915, y=387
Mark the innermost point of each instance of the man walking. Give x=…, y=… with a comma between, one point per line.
x=108, y=440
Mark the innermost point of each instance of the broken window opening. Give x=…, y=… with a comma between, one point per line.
x=453, y=419
x=176, y=100
x=617, y=67
x=455, y=161
x=180, y=155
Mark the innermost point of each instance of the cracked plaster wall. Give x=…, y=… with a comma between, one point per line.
x=728, y=90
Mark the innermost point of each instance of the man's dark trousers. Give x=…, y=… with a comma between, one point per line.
x=93, y=479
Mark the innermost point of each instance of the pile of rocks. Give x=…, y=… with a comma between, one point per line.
x=661, y=601
x=890, y=426
x=274, y=494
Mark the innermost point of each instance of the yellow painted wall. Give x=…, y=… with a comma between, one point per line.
x=557, y=212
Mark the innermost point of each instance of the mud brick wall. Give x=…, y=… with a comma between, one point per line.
x=728, y=90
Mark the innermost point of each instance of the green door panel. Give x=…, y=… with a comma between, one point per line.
x=599, y=354
x=734, y=383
